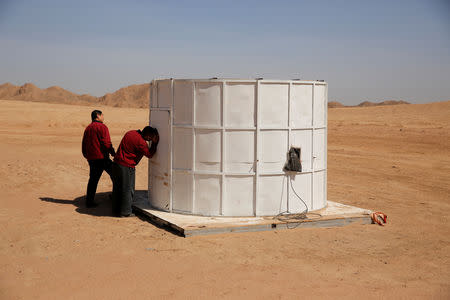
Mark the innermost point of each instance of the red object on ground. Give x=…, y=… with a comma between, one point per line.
x=96, y=141
x=379, y=218
x=131, y=149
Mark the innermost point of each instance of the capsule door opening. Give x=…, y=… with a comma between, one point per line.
x=293, y=162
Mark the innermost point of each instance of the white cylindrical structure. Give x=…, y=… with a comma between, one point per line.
x=224, y=143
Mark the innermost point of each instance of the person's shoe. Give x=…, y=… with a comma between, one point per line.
x=128, y=216
x=91, y=204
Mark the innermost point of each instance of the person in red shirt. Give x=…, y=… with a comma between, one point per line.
x=96, y=147
x=130, y=152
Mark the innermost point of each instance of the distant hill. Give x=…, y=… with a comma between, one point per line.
x=135, y=95
x=335, y=104
x=131, y=96
x=54, y=94
x=388, y=102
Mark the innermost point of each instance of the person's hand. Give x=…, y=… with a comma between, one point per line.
x=155, y=139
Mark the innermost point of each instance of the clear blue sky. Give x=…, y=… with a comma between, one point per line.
x=365, y=50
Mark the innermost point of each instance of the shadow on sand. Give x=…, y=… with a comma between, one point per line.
x=104, y=208
x=104, y=201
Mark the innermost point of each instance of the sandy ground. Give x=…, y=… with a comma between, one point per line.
x=394, y=159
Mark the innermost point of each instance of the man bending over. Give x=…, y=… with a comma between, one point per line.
x=131, y=149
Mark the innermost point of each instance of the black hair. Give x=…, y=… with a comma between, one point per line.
x=149, y=131
x=94, y=114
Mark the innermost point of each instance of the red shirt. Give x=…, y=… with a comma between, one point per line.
x=131, y=149
x=96, y=141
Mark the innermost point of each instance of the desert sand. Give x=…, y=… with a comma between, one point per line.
x=394, y=159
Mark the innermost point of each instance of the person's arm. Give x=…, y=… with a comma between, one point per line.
x=105, y=141
x=153, y=148
x=83, y=145
x=154, y=145
x=149, y=152
x=143, y=147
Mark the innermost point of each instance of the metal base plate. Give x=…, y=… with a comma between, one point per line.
x=335, y=214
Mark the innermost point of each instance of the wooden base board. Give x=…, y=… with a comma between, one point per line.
x=335, y=214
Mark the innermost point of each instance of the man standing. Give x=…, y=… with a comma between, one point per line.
x=131, y=149
x=96, y=147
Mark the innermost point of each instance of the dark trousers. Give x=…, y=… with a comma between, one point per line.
x=123, y=189
x=96, y=168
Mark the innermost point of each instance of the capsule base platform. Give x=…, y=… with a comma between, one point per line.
x=335, y=214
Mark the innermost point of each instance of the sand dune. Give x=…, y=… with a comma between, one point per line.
x=393, y=159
